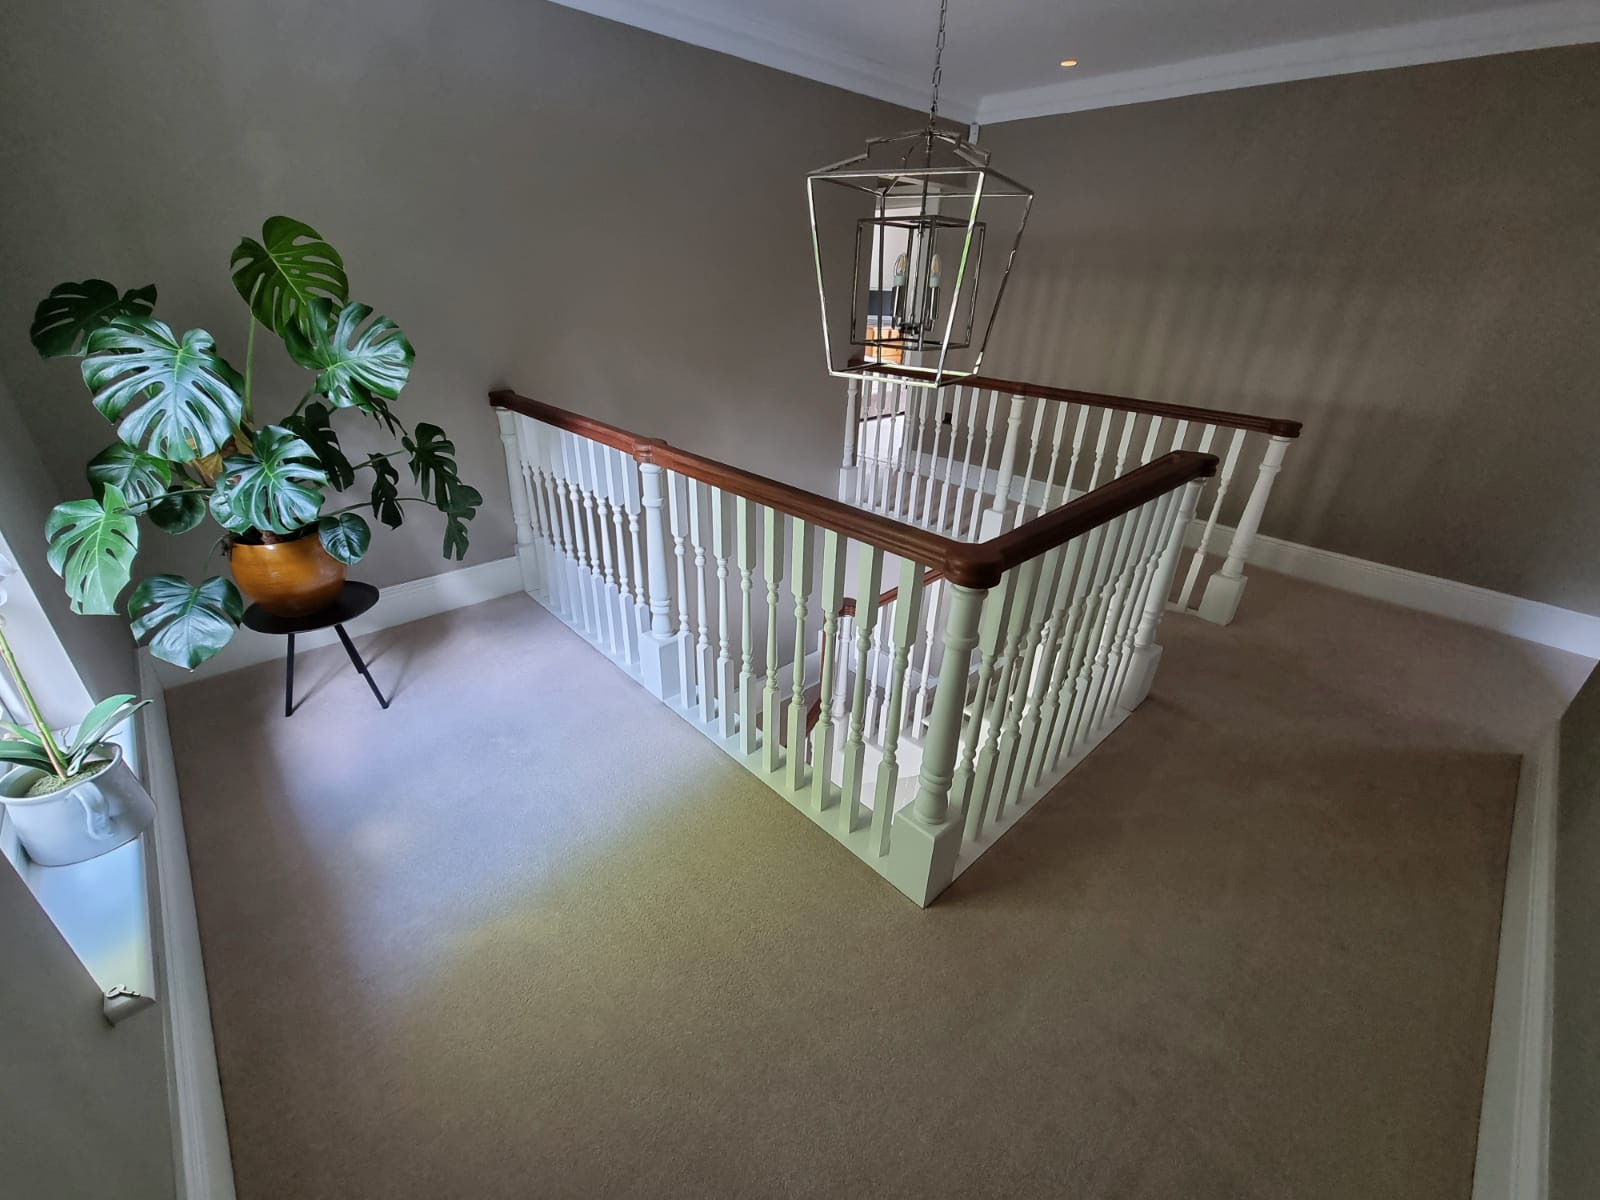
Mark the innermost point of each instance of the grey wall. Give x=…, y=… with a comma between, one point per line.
x=1408, y=261
x=1575, y=1055
x=603, y=218
x=83, y=1106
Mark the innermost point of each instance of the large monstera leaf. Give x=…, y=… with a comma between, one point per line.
x=345, y=537
x=285, y=271
x=278, y=488
x=184, y=624
x=385, y=491
x=92, y=544
x=311, y=425
x=355, y=360
x=137, y=475
x=72, y=311
x=433, y=466
x=178, y=400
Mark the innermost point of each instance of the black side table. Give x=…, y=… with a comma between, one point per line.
x=355, y=599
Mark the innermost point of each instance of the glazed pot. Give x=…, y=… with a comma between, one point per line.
x=289, y=578
x=92, y=817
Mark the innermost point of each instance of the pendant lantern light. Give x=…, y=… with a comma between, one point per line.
x=914, y=240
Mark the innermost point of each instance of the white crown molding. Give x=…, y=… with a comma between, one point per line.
x=724, y=28
x=1500, y=31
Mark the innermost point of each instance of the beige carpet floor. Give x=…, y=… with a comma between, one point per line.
x=528, y=935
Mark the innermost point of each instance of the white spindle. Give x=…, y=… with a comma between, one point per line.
x=835, y=552
x=852, y=424
x=1146, y=654
x=930, y=634
x=869, y=578
x=978, y=507
x=772, y=756
x=703, y=668
x=996, y=614
x=1072, y=587
x=941, y=506
x=630, y=502
x=936, y=403
x=521, y=516
x=907, y=608
x=686, y=680
x=745, y=534
x=1094, y=571
x=1102, y=434
x=600, y=511
x=1039, y=652
x=1033, y=453
x=591, y=609
x=994, y=519
x=994, y=715
x=800, y=563
x=1031, y=601
x=617, y=469
x=719, y=548
x=1047, y=489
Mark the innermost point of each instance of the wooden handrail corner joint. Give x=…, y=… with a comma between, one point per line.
x=966, y=564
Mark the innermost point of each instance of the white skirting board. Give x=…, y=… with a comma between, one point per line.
x=1530, y=620
x=1513, y=1130
x=399, y=604
x=202, y=1164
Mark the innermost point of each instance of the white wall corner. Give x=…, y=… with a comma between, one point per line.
x=202, y=1163
x=1514, y=1125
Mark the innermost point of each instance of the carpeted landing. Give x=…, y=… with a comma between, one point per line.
x=526, y=934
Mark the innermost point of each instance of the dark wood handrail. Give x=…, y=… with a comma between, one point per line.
x=1275, y=426
x=968, y=564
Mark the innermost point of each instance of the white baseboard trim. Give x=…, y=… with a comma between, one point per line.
x=1531, y=620
x=1513, y=1131
x=202, y=1163
x=400, y=604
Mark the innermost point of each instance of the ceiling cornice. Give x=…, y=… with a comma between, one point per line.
x=1564, y=22
x=733, y=32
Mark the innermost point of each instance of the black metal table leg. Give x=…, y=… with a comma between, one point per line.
x=288, y=682
x=355, y=660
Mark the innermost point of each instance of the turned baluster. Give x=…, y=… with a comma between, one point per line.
x=702, y=648
x=907, y=608
x=686, y=680
x=835, y=552
x=719, y=548
x=869, y=578
x=772, y=753
x=745, y=536
x=800, y=563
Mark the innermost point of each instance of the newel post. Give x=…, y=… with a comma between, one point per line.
x=1223, y=590
x=1146, y=654
x=994, y=517
x=526, y=557
x=926, y=837
x=852, y=425
x=658, y=660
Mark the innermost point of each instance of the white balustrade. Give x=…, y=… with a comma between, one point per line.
x=912, y=716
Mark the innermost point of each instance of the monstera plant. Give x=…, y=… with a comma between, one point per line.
x=190, y=443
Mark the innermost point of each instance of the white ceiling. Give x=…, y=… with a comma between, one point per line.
x=1001, y=61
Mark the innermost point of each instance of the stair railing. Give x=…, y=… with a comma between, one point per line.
x=961, y=681
x=978, y=456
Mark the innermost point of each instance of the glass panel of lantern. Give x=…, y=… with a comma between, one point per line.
x=914, y=241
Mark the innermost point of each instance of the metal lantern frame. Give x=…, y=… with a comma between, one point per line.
x=938, y=184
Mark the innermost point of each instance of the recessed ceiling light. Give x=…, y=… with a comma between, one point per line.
x=1069, y=62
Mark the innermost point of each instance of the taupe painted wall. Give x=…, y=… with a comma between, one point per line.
x=83, y=1106
x=1575, y=1053
x=604, y=218
x=1408, y=261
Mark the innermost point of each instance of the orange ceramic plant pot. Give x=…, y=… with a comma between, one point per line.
x=289, y=578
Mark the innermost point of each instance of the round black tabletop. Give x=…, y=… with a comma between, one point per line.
x=354, y=600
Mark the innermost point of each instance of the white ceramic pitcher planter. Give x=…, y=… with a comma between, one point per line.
x=90, y=818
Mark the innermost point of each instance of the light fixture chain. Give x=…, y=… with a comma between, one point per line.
x=938, y=66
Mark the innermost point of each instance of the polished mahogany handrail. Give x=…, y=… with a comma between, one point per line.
x=1274, y=426
x=968, y=564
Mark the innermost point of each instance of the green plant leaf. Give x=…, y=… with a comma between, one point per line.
x=101, y=720
x=433, y=466
x=184, y=624
x=72, y=311
x=179, y=511
x=22, y=754
x=345, y=536
x=455, y=536
x=92, y=544
x=385, y=491
x=281, y=275
x=278, y=487
x=311, y=425
x=356, y=361
x=139, y=476
x=30, y=736
x=176, y=400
